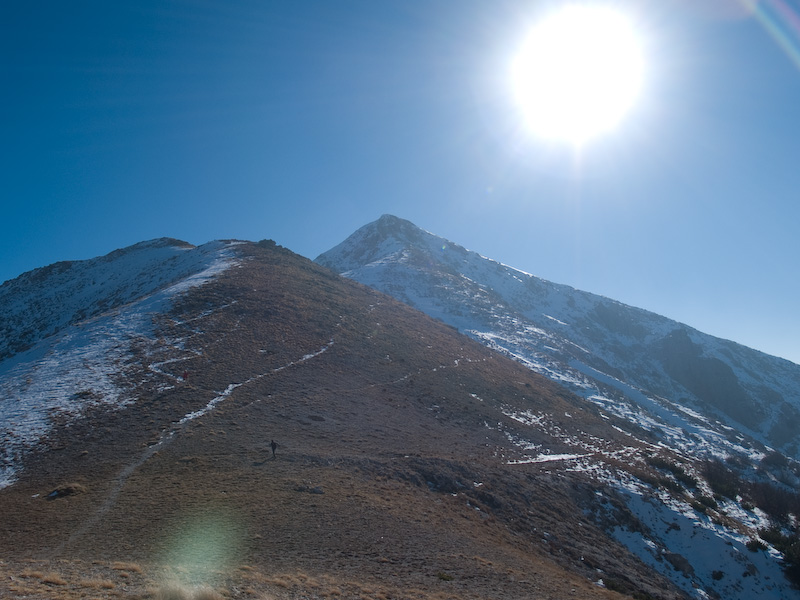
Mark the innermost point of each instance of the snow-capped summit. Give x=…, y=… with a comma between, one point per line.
x=376, y=241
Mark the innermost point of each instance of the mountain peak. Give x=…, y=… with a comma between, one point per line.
x=390, y=224
x=388, y=219
x=374, y=241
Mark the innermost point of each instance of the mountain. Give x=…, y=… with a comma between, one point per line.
x=732, y=412
x=137, y=425
x=599, y=347
x=138, y=407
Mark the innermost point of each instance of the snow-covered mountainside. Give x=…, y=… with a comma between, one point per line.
x=679, y=381
x=721, y=408
x=42, y=302
x=67, y=331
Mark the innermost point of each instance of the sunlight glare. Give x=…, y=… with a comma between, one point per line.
x=577, y=73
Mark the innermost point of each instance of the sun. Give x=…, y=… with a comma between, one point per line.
x=577, y=73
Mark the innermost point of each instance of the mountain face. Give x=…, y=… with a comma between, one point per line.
x=732, y=412
x=412, y=461
x=621, y=357
x=67, y=330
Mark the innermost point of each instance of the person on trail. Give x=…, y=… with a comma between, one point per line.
x=274, y=447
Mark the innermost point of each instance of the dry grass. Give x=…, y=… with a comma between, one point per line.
x=178, y=592
x=32, y=574
x=131, y=567
x=48, y=578
x=172, y=592
x=101, y=584
x=397, y=447
x=54, y=579
x=207, y=594
x=246, y=583
x=70, y=580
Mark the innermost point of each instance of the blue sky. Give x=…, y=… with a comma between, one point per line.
x=301, y=121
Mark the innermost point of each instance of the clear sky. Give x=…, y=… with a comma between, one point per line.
x=302, y=120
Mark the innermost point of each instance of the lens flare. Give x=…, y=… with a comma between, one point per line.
x=782, y=22
x=202, y=549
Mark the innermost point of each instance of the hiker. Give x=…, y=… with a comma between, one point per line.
x=185, y=375
x=274, y=447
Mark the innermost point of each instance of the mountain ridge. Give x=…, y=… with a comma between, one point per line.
x=649, y=351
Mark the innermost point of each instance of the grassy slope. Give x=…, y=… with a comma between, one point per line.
x=389, y=423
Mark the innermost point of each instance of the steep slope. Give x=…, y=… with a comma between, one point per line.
x=413, y=462
x=576, y=337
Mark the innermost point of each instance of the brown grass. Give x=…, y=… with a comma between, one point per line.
x=54, y=579
x=172, y=592
x=207, y=594
x=177, y=592
x=32, y=574
x=102, y=584
x=127, y=566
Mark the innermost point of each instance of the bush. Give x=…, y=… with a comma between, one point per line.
x=777, y=502
x=707, y=502
x=775, y=460
x=676, y=470
x=722, y=480
x=774, y=536
x=67, y=489
x=789, y=546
